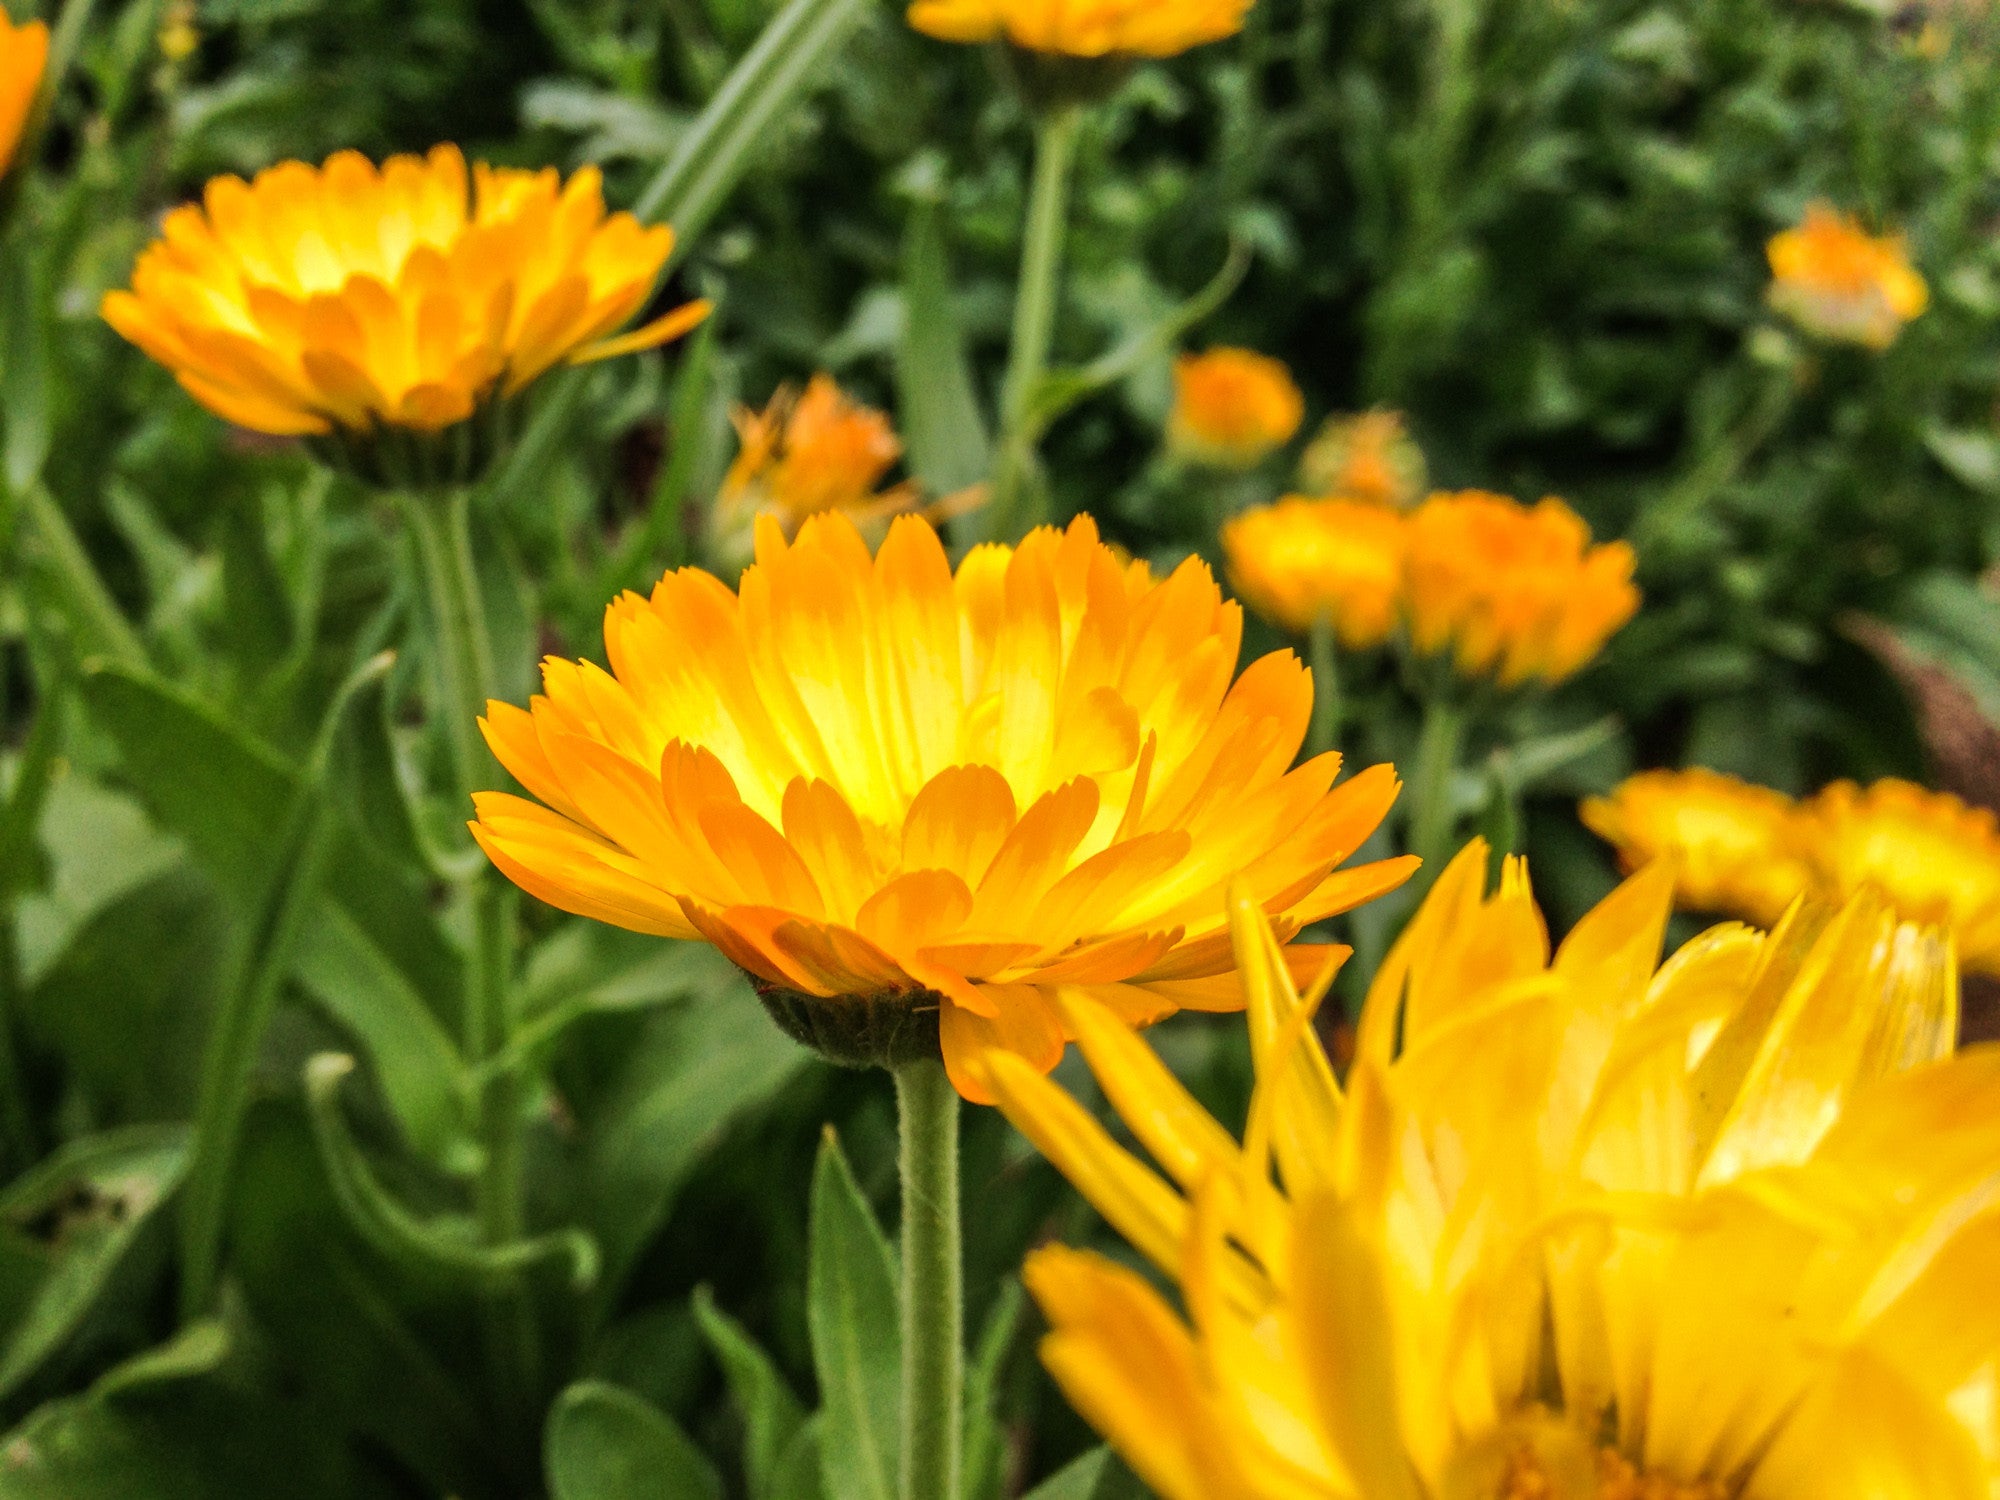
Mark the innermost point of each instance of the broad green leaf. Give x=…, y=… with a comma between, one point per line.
x=63, y=1230
x=798, y=1472
x=852, y=1312
x=100, y=846
x=694, y=1070
x=25, y=367
x=194, y=1440
x=938, y=406
x=605, y=1443
x=763, y=88
x=771, y=1414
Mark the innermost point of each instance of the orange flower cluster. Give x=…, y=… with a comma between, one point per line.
x=349, y=298
x=1084, y=28
x=808, y=453
x=1833, y=278
x=1506, y=592
x=1747, y=851
x=1232, y=408
x=1369, y=458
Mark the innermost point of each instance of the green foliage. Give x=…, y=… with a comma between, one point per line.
x=238, y=1062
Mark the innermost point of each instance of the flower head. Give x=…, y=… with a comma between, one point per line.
x=24, y=56
x=934, y=804
x=1576, y=1226
x=1732, y=842
x=1232, y=408
x=1748, y=851
x=1084, y=28
x=1369, y=458
x=1301, y=561
x=804, y=454
x=1512, y=592
x=348, y=299
x=1833, y=278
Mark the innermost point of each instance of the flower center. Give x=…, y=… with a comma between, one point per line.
x=1617, y=1479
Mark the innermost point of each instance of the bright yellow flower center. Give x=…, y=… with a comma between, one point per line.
x=1617, y=1479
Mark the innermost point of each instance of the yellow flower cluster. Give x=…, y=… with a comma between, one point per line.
x=350, y=298
x=1574, y=1226
x=1506, y=592
x=1747, y=851
x=918, y=809
x=1833, y=278
x=1084, y=28
x=1232, y=408
x=24, y=56
x=808, y=453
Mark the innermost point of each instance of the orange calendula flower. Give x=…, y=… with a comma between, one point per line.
x=1512, y=592
x=1369, y=458
x=804, y=454
x=1833, y=278
x=1084, y=28
x=1576, y=1226
x=1748, y=851
x=24, y=57
x=1732, y=842
x=1232, y=408
x=1301, y=561
x=917, y=808
x=347, y=299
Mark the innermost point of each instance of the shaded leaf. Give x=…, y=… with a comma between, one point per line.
x=853, y=1315
x=605, y=1443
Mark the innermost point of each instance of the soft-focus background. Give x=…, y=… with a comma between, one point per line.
x=1535, y=227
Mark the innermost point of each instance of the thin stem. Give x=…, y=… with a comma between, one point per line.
x=933, y=1306
x=1661, y=524
x=1431, y=814
x=1325, y=661
x=93, y=613
x=462, y=647
x=1035, y=302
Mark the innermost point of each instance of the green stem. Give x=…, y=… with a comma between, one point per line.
x=94, y=614
x=1325, y=661
x=1431, y=820
x=1035, y=303
x=1661, y=525
x=933, y=1293
x=462, y=648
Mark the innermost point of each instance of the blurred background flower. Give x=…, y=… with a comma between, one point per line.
x=1084, y=28
x=24, y=53
x=1233, y=408
x=1833, y=278
x=1302, y=561
x=1368, y=457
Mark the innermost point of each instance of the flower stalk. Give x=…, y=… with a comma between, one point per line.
x=933, y=1290
x=1439, y=745
x=1036, y=301
x=1324, y=658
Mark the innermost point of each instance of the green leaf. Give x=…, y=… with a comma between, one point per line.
x=198, y=1349
x=985, y=1447
x=772, y=1415
x=448, y=1247
x=1096, y=1475
x=764, y=87
x=950, y=448
x=26, y=367
x=853, y=1315
x=798, y=1472
x=605, y=1443
x=64, y=1228
x=419, y=1067
x=693, y=1071
x=1953, y=624
x=194, y=1440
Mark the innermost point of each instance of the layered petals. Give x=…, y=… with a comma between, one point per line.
x=863, y=775
x=1578, y=1224
x=1083, y=28
x=350, y=297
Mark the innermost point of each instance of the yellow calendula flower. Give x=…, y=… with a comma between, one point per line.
x=346, y=300
x=1833, y=278
x=916, y=808
x=1935, y=859
x=1369, y=457
x=1575, y=1228
x=24, y=57
x=1511, y=592
x=1301, y=561
x=804, y=454
x=1732, y=842
x=1748, y=851
x=1084, y=28
x=1232, y=408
